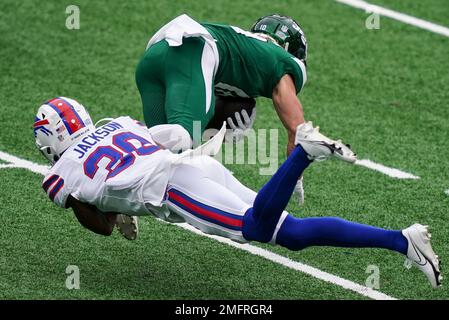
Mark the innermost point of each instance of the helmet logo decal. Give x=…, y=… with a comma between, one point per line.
x=39, y=126
x=68, y=114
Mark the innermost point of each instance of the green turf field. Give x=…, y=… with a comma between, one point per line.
x=385, y=91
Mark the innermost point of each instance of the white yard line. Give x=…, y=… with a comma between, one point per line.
x=298, y=266
x=21, y=163
x=420, y=23
x=423, y=24
x=16, y=162
x=446, y=192
x=391, y=172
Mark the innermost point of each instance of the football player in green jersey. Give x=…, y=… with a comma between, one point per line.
x=186, y=64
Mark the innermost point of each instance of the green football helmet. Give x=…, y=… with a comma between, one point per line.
x=286, y=32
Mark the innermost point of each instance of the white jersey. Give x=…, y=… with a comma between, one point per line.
x=118, y=168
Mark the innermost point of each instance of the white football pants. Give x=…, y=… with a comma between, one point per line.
x=207, y=196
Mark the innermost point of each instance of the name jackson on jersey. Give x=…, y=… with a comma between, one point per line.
x=92, y=139
x=92, y=170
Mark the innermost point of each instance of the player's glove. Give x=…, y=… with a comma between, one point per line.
x=241, y=128
x=299, y=190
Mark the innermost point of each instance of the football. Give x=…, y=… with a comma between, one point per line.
x=227, y=107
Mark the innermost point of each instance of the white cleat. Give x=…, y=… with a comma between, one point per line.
x=320, y=147
x=128, y=226
x=420, y=252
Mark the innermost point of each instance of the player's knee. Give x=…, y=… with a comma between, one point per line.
x=254, y=230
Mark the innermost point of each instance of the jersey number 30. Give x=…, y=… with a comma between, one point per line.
x=121, y=158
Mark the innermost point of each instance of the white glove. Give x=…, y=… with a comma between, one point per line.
x=242, y=128
x=299, y=190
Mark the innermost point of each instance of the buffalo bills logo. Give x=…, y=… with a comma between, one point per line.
x=39, y=125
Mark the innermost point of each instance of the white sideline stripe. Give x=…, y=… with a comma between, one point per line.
x=21, y=163
x=391, y=172
x=271, y=256
x=420, y=23
x=298, y=266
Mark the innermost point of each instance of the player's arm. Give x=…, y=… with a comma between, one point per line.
x=90, y=218
x=171, y=136
x=288, y=108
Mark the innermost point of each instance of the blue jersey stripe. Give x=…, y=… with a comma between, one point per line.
x=56, y=189
x=49, y=182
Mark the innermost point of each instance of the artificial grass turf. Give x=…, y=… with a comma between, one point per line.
x=384, y=91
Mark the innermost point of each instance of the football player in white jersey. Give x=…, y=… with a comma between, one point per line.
x=124, y=168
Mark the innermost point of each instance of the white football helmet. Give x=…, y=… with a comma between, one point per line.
x=59, y=123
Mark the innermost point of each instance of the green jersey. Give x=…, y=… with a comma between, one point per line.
x=249, y=65
x=187, y=63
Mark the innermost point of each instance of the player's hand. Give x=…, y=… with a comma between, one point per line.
x=299, y=190
x=244, y=123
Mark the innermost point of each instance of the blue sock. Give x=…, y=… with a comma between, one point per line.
x=260, y=220
x=297, y=234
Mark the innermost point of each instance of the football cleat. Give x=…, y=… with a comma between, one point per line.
x=420, y=252
x=320, y=147
x=128, y=226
